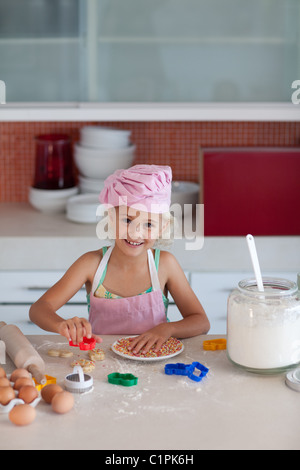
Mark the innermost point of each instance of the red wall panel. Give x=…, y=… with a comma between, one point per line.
x=251, y=191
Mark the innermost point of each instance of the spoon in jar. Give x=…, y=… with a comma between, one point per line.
x=255, y=263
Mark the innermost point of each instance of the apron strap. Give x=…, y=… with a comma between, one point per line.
x=153, y=272
x=101, y=269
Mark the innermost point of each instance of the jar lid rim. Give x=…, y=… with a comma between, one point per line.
x=293, y=379
x=278, y=285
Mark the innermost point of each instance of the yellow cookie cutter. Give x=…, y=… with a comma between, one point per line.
x=215, y=344
x=50, y=380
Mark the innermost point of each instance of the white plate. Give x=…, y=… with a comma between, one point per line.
x=148, y=359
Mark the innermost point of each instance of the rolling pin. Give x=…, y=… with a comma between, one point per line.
x=21, y=352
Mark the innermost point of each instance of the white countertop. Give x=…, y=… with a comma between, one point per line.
x=229, y=409
x=32, y=240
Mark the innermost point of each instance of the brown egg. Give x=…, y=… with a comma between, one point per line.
x=28, y=393
x=2, y=372
x=62, y=402
x=21, y=381
x=17, y=373
x=6, y=395
x=49, y=391
x=21, y=415
x=4, y=382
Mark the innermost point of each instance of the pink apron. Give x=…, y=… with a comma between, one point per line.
x=128, y=315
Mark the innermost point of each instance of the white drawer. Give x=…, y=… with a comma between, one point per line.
x=27, y=286
x=19, y=316
x=173, y=313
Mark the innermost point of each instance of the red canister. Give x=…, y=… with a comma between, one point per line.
x=54, y=166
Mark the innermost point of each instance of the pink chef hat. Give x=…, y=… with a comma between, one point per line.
x=146, y=187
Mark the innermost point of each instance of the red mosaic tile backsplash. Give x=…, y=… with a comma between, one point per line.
x=167, y=143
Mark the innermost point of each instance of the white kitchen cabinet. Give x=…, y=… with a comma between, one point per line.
x=19, y=289
x=19, y=315
x=173, y=313
x=149, y=51
x=213, y=289
x=25, y=287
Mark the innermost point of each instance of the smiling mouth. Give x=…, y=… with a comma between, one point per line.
x=133, y=243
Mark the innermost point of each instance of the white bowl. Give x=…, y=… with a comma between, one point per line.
x=185, y=192
x=100, y=163
x=90, y=185
x=51, y=200
x=83, y=208
x=104, y=137
x=103, y=153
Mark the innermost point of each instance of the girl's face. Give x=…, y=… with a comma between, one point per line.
x=136, y=231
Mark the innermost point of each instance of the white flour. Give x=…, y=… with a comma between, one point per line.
x=264, y=337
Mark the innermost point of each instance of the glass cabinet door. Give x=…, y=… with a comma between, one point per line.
x=198, y=50
x=40, y=50
x=149, y=50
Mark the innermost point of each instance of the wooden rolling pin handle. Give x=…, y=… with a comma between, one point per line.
x=37, y=374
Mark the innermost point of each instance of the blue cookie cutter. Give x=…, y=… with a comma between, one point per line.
x=187, y=369
x=204, y=371
x=177, y=369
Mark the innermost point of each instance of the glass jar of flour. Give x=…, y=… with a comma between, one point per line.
x=263, y=328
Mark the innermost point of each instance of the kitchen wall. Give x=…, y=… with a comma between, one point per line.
x=173, y=143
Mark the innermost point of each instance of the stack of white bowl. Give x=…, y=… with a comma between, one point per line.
x=100, y=152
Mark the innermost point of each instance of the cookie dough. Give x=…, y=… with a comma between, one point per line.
x=53, y=352
x=96, y=354
x=65, y=353
x=87, y=366
x=59, y=353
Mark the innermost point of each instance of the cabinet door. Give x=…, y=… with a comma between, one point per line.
x=20, y=289
x=212, y=289
x=40, y=50
x=17, y=287
x=149, y=51
x=173, y=313
x=197, y=50
x=19, y=315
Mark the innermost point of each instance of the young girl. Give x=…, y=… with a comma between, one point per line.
x=127, y=284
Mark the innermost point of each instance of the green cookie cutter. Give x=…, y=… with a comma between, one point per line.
x=127, y=380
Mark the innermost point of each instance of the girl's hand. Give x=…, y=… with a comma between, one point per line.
x=156, y=336
x=75, y=329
